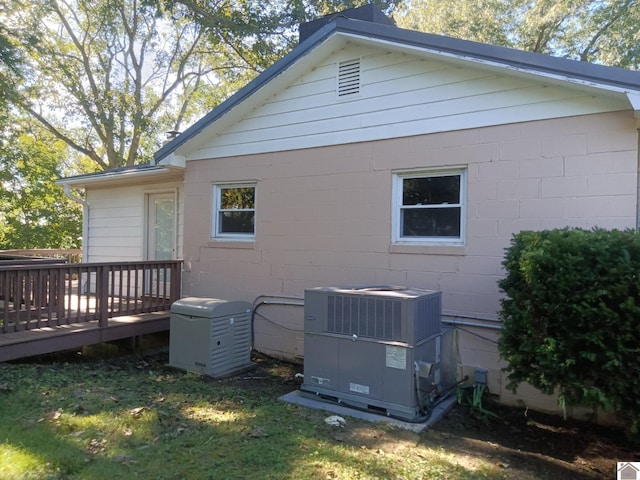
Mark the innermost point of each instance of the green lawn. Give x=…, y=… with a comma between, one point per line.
x=134, y=418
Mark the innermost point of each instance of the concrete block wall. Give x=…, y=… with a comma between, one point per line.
x=323, y=216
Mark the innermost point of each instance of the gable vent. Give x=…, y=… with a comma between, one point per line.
x=348, y=78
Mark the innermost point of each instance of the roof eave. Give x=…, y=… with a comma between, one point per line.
x=615, y=78
x=248, y=90
x=105, y=178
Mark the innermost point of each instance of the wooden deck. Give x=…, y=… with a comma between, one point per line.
x=51, y=308
x=43, y=340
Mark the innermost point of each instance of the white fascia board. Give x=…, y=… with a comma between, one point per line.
x=131, y=176
x=173, y=161
x=634, y=100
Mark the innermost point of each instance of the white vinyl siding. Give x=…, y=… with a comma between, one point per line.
x=399, y=96
x=116, y=222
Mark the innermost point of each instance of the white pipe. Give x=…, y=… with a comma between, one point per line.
x=470, y=321
x=471, y=324
x=638, y=178
x=67, y=192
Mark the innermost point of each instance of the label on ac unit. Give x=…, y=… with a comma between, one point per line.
x=356, y=387
x=321, y=380
x=396, y=357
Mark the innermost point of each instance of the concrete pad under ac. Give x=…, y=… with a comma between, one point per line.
x=298, y=398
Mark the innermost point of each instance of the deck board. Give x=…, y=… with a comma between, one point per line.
x=39, y=341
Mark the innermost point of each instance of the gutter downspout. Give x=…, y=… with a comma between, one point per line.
x=638, y=176
x=85, y=220
x=634, y=101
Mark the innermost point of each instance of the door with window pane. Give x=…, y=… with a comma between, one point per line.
x=161, y=238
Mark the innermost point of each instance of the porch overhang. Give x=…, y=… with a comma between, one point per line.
x=124, y=176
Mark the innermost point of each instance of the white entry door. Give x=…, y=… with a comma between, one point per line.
x=161, y=230
x=161, y=239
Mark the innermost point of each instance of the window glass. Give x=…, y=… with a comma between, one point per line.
x=235, y=211
x=431, y=190
x=236, y=222
x=431, y=223
x=237, y=197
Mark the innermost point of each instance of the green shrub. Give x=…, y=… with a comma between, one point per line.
x=571, y=316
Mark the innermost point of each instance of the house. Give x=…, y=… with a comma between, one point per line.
x=374, y=155
x=628, y=470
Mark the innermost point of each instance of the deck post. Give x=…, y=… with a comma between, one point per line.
x=102, y=294
x=176, y=283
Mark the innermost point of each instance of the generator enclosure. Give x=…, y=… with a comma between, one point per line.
x=210, y=336
x=376, y=348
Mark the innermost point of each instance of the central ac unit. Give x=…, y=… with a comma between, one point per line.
x=374, y=348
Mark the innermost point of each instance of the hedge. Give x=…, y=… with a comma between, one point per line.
x=571, y=316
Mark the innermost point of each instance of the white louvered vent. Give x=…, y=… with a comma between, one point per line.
x=348, y=78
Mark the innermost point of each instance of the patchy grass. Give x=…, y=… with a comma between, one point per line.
x=135, y=418
x=132, y=417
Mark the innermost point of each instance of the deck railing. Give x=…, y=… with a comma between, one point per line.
x=42, y=295
x=69, y=255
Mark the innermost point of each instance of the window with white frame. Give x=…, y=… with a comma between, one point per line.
x=234, y=211
x=429, y=206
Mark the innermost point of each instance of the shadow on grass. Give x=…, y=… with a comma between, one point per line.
x=133, y=417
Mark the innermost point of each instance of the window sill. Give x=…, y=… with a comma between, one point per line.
x=224, y=243
x=427, y=249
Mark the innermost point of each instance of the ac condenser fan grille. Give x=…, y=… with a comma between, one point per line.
x=365, y=317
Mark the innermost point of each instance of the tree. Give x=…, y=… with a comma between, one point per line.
x=107, y=76
x=478, y=20
x=35, y=212
x=600, y=31
x=259, y=34
x=10, y=64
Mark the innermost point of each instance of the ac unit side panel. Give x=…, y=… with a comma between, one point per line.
x=360, y=364
x=315, y=307
x=321, y=362
x=397, y=374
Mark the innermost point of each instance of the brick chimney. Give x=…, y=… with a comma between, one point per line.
x=367, y=13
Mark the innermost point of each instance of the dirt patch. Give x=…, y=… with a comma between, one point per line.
x=522, y=440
